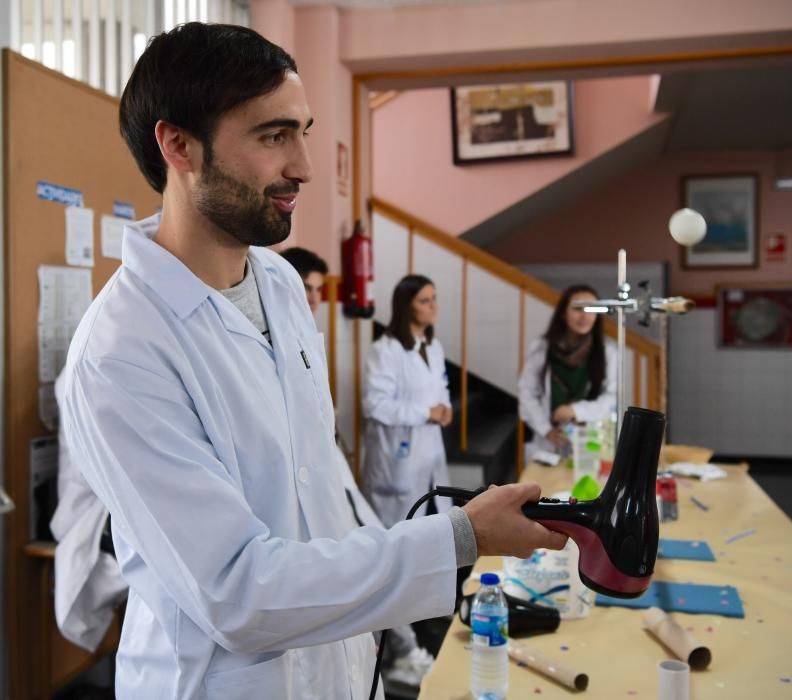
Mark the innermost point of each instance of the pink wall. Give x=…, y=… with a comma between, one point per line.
x=431, y=36
x=633, y=213
x=413, y=164
x=274, y=19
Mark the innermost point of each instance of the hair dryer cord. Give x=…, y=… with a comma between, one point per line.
x=448, y=492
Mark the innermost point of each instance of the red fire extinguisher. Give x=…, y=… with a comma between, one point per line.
x=357, y=274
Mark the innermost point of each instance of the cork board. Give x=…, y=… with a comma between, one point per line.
x=60, y=131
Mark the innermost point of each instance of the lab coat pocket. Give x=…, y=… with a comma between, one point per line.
x=265, y=680
x=315, y=348
x=391, y=458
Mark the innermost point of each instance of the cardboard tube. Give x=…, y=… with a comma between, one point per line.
x=677, y=639
x=673, y=680
x=537, y=661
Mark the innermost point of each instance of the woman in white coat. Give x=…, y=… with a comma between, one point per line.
x=569, y=374
x=406, y=404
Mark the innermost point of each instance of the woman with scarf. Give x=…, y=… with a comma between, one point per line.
x=569, y=375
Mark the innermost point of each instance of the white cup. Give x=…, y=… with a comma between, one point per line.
x=673, y=680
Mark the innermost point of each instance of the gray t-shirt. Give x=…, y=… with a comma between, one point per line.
x=246, y=298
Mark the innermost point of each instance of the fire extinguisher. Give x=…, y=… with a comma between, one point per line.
x=357, y=274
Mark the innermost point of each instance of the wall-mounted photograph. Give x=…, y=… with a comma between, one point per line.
x=758, y=317
x=729, y=205
x=511, y=120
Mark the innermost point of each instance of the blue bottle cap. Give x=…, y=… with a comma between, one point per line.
x=489, y=579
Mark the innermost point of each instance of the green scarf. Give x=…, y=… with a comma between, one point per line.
x=569, y=373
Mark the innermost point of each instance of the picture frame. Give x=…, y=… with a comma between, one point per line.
x=755, y=316
x=508, y=121
x=730, y=206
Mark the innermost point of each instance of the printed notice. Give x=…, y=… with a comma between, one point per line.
x=64, y=296
x=79, y=236
x=112, y=236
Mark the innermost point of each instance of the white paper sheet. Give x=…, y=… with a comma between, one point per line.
x=79, y=236
x=112, y=235
x=65, y=294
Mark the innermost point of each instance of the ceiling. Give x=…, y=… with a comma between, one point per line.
x=729, y=108
x=387, y=4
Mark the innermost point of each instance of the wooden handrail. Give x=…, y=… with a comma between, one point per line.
x=495, y=266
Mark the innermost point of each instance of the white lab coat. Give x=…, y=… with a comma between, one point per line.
x=213, y=452
x=535, y=396
x=403, y=454
x=88, y=582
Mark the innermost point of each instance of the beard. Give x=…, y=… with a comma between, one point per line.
x=240, y=210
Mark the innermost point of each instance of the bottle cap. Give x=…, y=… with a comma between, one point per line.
x=489, y=579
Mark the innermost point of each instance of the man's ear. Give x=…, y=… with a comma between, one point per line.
x=181, y=151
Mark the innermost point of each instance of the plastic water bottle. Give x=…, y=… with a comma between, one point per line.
x=489, y=622
x=586, y=450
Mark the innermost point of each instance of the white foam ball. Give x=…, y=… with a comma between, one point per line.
x=687, y=227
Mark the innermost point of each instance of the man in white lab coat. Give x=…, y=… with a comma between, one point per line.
x=197, y=405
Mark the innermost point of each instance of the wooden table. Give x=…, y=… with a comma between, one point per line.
x=751, y=657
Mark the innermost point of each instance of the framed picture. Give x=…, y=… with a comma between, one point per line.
x=512, y=120
x=755, y=317
x=729, y=204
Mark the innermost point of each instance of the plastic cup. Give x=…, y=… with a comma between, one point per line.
x=673, y=680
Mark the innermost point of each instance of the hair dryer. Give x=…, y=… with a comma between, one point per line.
x=524, y=617
x=617, y=532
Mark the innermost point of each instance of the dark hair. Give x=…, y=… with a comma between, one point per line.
x=401, y=310
x=189, y=77
x=305, y=261
x=556, y=331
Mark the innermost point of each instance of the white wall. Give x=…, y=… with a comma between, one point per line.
x=445, y=270
x=493, y=328
x=391, y=243
x=734, y=401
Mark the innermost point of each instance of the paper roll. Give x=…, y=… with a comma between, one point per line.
x=677, y=639
x=673, y=680
x=537, y=661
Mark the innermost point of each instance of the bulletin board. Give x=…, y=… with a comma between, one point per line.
x=55, y=130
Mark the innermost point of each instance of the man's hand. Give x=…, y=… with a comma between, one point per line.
x=563, y=414
x=500, y=526
x=558, y=437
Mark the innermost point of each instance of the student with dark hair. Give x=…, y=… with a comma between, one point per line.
x=406, y=403
x=569, y=374
x=196, y=403
x=312, y=269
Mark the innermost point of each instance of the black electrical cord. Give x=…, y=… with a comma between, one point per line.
x=448, y=492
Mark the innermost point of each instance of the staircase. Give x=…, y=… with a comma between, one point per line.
x=489, y=312
x=490, y=457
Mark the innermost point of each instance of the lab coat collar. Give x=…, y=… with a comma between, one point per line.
x=184, y=291
x=168, y=276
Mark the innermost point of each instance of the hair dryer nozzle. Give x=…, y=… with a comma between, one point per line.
x=617, y=533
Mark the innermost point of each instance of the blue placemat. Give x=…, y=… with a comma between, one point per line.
x=683, y=597
x=684, y=549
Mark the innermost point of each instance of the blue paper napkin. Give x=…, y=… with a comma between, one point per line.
x=683, y=597
x=685, y=549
